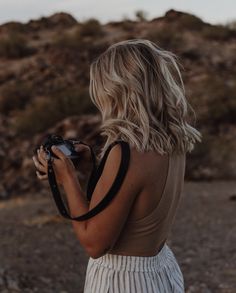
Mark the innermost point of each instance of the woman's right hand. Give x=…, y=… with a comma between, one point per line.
x=85, y=162
x=83, y=150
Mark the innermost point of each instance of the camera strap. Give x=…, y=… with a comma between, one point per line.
x=94, y=177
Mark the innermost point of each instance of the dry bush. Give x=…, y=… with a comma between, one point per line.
x=222, y=104
x=14, y=27
x=91, y=28
x=14, y=46
x=218, y=32
x=141, y=15
x=215, y=101
x=168, y=39
x=45, y=112
x=77, y=40
x=67, y=41
x=190, y=22
x=214, y=158
x=128, y=25
x=184, y=21
x=231, y=24
x=14, y=96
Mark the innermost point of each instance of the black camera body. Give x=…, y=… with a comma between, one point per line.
x=65, y=145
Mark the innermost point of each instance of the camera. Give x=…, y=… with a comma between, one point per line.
x=65, y=145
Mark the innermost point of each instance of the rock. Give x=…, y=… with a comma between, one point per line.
x=12, y=284
x=2, y=279
x=232, y=197
x=3, y=192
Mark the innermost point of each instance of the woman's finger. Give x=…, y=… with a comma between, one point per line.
x=81, y=148
x=58, y=152
x=38, y=165
x=83, y=151
x=41, y=177
x=42, y=157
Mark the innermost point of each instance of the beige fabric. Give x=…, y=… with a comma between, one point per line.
x=145, y=236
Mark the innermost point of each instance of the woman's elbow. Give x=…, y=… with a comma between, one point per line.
x=96, y=252
x=92, y=253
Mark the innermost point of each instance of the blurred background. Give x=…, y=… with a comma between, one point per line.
x=46, y=48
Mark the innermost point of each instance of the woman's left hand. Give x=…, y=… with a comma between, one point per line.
x=63, y=166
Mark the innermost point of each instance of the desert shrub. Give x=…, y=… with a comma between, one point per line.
x=219, y=100
x=193, y=54
x=184, y=21
x=14, y=46
x=214, y=158
x=128, y=25
x=141, y=15
x=78, y=50
x=231, y=24
x=77, y=40
x=68, y=41
x=92, y=28
x=14, y=96
x=14, y=27
x=45, y=112
x=168, y=38
x=198, y=156
x=218, y=32
x=190, y=22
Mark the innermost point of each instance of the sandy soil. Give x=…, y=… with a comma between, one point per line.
x=40, y=253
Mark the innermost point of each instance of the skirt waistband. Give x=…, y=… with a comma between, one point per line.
x=136, y=263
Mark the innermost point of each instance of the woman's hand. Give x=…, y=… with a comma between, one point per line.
x=63, y=166
x=41, y=164
x=83, y=150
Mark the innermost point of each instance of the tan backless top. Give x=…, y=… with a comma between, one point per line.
x=140, y=237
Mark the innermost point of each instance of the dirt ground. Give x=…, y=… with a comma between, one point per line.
x=40, y=253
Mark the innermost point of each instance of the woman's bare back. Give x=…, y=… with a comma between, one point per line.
x=153, y=169
x=160, y=181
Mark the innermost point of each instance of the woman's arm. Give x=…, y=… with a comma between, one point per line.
x=99, y=233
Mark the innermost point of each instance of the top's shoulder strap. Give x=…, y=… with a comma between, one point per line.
x=124, y=164
x=97, y=171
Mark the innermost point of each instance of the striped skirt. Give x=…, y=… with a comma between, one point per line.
x=113, y=273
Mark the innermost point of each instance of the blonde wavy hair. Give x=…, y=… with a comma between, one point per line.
x=138, y=88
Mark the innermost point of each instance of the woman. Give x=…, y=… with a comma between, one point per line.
x=138, y=89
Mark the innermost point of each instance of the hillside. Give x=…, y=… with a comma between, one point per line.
x=44, y=78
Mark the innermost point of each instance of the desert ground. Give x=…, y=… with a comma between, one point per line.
x=40, y=253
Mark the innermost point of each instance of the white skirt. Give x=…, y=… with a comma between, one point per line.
x=112, y=273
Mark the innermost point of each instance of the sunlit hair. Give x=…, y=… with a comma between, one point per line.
x=138, y=88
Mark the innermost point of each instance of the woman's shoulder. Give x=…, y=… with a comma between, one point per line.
x=150, y=165
x=141, y=163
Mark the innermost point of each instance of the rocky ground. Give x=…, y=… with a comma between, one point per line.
x=40, y=253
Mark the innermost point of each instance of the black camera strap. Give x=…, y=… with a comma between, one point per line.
x=94, y=177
